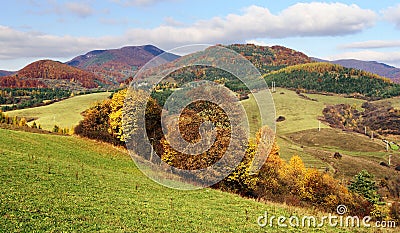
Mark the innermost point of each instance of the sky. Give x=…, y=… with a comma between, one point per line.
x=60, y=30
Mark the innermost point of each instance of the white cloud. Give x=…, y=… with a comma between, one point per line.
x=17, y=44
x=80, y=9
x=257, y=42
x=139, y=2
x=372, y=44
x=299, y=20
x=169, y=21
x=392, y=14
x=114, y=21
x=391, y=58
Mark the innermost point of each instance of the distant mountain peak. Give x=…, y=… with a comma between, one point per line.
x=116, y=65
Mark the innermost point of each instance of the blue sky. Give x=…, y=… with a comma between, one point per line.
x=60, y=30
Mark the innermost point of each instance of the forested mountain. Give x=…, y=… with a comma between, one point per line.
x=265, y=59
x=116, y=65
x=52, y=74
x=287, y=68
x=369, y=66
x=327, y=77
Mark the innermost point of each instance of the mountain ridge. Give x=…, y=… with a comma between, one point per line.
x=6, y=73
x=115, y=65
x=54, y=74
x=375, y=67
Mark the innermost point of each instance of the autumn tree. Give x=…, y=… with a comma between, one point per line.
x=95, y=124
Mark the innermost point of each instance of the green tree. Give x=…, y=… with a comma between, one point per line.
x=364, y=185
x=56, y=129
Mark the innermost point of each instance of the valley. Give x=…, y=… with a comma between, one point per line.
x=72, y=182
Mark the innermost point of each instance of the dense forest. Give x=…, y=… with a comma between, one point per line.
x=18, y=98
x=326, y=77
x=52, y=74
x=268, y=59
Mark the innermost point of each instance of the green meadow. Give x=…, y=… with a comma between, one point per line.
x=54, y=183
x=66, y=113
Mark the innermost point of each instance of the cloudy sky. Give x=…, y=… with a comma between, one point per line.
x=60, y=30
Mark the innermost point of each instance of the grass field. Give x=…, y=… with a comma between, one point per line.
x=66, y=113
x=56, y=183
x=394, y=102
x=299, y=135
x=302, y=114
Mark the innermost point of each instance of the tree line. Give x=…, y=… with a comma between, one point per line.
x=326, y=77
x=18, y=98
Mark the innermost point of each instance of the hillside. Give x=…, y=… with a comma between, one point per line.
x=60, y=183
x=327, y=77
x=298, y=134
x=52, y=74
x=118, y=64
x=265, y=59
x=369, y=66
x=269, y=58
x=5, y=73
x=65, y=114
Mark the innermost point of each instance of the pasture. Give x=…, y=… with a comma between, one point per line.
x=66, y=113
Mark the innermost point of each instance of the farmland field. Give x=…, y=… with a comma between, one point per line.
x=298, y=134
x=66, y=113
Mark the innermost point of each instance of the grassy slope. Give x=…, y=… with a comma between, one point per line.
x=395, y=102
x=299, y=135
x=66, y=113
x=59, y=183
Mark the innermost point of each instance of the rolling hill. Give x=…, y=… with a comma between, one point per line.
x=369, y=66
x=52, y=74
x=265, y=59
x=65, y=114
x=331, y=78
x=116, y=65
x=270, y=58
x=56, y=183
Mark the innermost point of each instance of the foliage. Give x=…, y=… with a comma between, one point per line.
x=326, y=77
x=17, y=98
x=59, y=130
x=44, y=70
x=364, y=185
x=380, y=118
x=104, y=120
x=95, y=124
x=241, y=180
x=268, y=59
x=189, y=121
